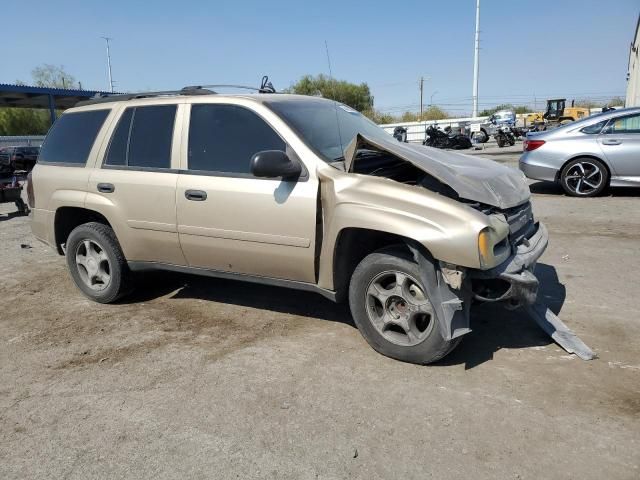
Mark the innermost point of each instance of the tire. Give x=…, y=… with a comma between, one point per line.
x=485, y=138
x=480, y=137
x=584, y=177
x=96, y=263
x=424, y=343
x=500, y=141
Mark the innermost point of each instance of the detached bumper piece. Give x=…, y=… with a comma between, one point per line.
x=560, y=333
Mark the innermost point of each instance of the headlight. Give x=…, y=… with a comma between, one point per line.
x=493, y=247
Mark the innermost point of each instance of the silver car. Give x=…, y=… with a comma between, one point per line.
x=588, y=155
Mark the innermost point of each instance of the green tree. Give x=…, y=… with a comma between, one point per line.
x=378, y=117
x=431, y=113
x=23, y=121
x=54, y=76
x=434, y=113
x=356, y=96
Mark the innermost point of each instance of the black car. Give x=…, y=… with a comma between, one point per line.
x=18, y=159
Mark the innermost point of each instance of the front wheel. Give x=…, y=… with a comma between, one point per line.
x=392, y=310
x=479, y=137
x=96, y=262
x=500, y=141
x=584, y=177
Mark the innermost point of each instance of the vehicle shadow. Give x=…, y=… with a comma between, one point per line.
x=245, y=294
x=10, y=215
x=493, y=327
x=550, y=188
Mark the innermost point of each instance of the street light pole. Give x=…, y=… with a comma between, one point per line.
x=421, y=92
x=106, y=39
x=476, y=62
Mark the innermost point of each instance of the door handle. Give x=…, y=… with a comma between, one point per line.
x=196, y=195
x=106, y=187
x=611, y=141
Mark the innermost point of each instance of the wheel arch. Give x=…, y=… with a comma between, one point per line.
x=354, y=243
x=68, y=218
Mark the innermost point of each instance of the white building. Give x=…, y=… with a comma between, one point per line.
x=633, y=73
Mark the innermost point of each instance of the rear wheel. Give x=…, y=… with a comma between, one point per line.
x=392, y=310
x=584, y=177
x=96, y=262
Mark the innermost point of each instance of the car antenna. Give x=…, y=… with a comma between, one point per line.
x=335, y=102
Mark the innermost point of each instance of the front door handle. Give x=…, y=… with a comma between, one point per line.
x=196, y=195
x=106, y=187
x=611, y=141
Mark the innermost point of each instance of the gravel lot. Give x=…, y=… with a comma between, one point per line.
x=202, y=378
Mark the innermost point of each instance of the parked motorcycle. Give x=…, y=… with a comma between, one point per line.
x=448, y=139
x=400, y=134
x=504, y=136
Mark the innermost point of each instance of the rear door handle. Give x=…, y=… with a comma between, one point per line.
x=611, y=141
x=106, y=187
x=196, y=195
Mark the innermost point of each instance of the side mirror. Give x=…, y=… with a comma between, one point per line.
x=273, y=164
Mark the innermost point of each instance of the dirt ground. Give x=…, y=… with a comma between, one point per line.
x=203, y=378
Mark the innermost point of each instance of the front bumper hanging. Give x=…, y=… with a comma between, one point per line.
x=519, y=287
x=513, y=281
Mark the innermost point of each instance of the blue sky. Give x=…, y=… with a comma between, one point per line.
x=546, y=48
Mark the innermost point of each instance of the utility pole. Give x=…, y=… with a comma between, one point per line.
x=421, y=93
x=476, y=62
x=106, y=39
x=431, y=99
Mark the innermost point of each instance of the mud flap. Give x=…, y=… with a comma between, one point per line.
x=452, y=307
x=560, y=333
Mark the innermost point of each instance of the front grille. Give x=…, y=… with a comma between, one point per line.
x=520, y=219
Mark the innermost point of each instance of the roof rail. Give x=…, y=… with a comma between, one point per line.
x=194, y=90
x=265, y=87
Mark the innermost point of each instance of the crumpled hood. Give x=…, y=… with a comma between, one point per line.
x=473, y=178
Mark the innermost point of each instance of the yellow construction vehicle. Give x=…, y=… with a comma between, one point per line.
x=557, y=114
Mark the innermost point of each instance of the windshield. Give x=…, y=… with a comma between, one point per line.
x=326, y=126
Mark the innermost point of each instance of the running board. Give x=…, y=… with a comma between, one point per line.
x=560, y=333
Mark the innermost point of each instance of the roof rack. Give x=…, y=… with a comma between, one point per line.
x=265, y=87
x=132, y=96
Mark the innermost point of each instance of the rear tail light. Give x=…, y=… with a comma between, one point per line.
x=31, y=199
x=529, y=145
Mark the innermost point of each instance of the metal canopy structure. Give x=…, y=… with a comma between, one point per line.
x=26, y=96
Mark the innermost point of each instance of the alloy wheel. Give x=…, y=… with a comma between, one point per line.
x=93, y=265
x=398, y=308
x=584, y=178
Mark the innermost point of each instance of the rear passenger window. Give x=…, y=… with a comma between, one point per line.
x=71, y=137
x=223, y=138
x=143, y=137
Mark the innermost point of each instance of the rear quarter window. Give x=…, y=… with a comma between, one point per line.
x=71, y=137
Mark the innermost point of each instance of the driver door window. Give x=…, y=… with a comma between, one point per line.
x=223, y=138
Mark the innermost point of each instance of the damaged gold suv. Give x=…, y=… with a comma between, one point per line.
x=286, y=190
